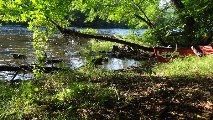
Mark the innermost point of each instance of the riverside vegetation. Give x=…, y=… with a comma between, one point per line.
x=180, y=89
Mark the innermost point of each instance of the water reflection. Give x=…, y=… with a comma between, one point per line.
x=11, y=44
x=116, y=64
x=14, y=30
x=118, y=31
x=16, y=39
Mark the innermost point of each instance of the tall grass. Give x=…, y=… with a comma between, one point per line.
x=191, y=66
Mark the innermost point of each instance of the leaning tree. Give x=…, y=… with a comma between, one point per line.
x=180, y=22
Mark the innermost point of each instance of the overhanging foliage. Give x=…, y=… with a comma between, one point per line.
x=180, y=22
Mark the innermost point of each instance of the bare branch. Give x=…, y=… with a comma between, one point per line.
x=147, y=20
x=143, y=19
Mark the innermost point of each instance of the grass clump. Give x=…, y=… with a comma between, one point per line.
x=190, y=66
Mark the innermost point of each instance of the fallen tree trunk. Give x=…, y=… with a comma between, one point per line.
x=72, y=32
x=29, y=68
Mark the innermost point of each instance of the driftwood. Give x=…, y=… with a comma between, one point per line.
x=27, y=68
x=72, y=32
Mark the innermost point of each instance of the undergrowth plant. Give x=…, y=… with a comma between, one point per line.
x=95, y=47
x=40, y=45
x=62, y=95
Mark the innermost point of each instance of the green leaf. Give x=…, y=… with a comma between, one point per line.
x=36, y=89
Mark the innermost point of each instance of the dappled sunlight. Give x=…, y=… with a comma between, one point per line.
x=122, y=94
x=174, y=98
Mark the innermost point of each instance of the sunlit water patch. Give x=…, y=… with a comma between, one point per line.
x=116, y=64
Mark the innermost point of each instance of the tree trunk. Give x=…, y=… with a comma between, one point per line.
x=190, y=26
x=178, y=4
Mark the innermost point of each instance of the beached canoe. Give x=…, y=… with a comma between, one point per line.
x=164, y=54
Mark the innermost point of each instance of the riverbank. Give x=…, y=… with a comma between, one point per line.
x=127, y=94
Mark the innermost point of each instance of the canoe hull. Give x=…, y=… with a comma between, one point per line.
x=165, y=54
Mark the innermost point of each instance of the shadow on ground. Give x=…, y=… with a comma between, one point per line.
x=142, y=97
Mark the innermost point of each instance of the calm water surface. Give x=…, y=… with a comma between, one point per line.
x=16, y=39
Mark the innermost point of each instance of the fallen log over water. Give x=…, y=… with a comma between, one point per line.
x=28, y=68
x=72, y=32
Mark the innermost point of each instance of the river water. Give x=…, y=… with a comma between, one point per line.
x=17, y=39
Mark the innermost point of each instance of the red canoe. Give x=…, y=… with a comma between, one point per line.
x=164, y=54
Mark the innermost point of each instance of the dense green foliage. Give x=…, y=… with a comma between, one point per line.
x=180, y=22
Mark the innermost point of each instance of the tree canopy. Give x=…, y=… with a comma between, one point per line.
x=180, y=22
